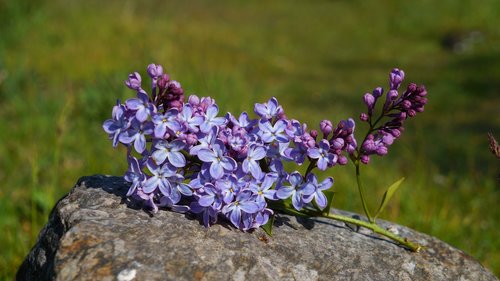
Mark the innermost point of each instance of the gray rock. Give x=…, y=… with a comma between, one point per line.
x=95, y=233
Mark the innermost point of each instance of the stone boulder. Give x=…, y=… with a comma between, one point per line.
x=95, y=233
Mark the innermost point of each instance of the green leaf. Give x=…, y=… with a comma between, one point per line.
x=268, y=227
x=387, y=196
x=329, y=199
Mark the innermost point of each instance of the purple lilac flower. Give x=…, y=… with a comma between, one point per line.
x=325, y=158
x=192, y=122
x=268, y=110
x=134, y=175
x=211, y=119
x=114, y=127
x=208, y=213
x=164, y=121
x=243, y=121
x=263, y=190
x=171, y=151
x=318, y=195
x=241, y=208
x=142, y=106
x=228, y=188
x=251, y=162
x=217, y=160
x=299, y=191
x=137, y=134
x=206, y=141
x=134, y=81
x=159, y=179
x=269, y=133
x=178, y=188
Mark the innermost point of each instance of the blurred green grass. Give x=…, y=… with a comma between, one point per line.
x=62, y=66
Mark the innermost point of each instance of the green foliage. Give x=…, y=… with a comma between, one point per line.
x=387, y=196
x=62, y=65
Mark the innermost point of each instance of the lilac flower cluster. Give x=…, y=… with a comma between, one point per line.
x=184, y=156
x=397, y=108
x=187, y=157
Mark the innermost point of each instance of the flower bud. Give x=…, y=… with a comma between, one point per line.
x=379, y=91
x=342, y=160
x=134, y=81
x=154, y=70
x=314, y=134
x=363, y=117
x=369, y=100
x=395, y=78
x=194, y=100
x=381, y=150
x=365, y=159
x=338, y=143
x=163, y=81
x=326, y=127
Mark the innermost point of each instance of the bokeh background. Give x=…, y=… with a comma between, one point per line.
x=63, y=63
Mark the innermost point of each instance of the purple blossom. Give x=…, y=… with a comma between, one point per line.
x=211, y=119
x=159, y=179
x=299, y=191
x=134, y=81
x=141, y=105
x=217, y=160
x=171, y=151
x=164, y=121
x=134, y=175
x=263, y=190
x=114, y=127
x=269, y=133
x=137, y=134
x=318, y=195
x=239, y=210
x=268, y=110
x=243, y=121
x=192, y=122
x=325, y=158
x=251, y=162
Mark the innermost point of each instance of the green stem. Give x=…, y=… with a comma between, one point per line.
x=375, y=228
x=361, y=193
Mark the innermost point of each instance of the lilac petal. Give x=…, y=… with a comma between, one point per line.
x=142, y=114
x=126, y=138
x=175, y=196
x=280, y=126
x=205, y=127
x=206, y=200
x=235, y=217
x=260, y=110
x=177, y=159
x=313, y=153
x=212, y=111
x=322, y=163
x=285, y=192
x=308, y=189
x=255, y=170
x=228, y=163
x=296, y=201
x=249, y=207
x=321, y=199
x=295, y=179
x=159, y=156
x=185, y=189
x=165, y=188
x=134, y=104
x=325, y=184
x=140, y=143
x=207, y=155
x=160, y=130
x=150, y=185
x=258, y=153
x=216, y=170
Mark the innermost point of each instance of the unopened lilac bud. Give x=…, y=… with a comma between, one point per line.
x=387, y=139
x=369, y=100
x=378, y=92
x=163, y=81
x=175, y=104
x=175, y=88
x=412, y=87
x=412, y=112
x=314, y=134
x=134, y=81
x=194, y=100
x=363, y=117
x=395, y=133
x=365, y=159
x=338, y=143
x=191, y=139
x=342, y=160
x=381, y=150
x=395, y=78
x=155, y=70
x=326, y=127
x=406, y=104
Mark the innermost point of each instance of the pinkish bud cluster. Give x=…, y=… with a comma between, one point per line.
x=396, y=109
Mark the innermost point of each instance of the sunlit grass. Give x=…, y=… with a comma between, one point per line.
x=62, y=66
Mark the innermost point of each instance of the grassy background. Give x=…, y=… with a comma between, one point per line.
x=63, y=63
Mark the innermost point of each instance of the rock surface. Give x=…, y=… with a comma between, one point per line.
x=94, y=233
